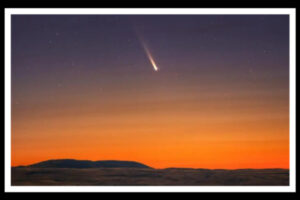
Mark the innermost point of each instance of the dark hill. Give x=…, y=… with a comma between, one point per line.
x=71, y=163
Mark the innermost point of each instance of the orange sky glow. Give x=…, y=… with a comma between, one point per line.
x=219, y=128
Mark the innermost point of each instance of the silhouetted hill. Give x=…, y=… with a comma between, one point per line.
x=71, y=163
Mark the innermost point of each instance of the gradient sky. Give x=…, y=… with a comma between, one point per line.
x=84, y=88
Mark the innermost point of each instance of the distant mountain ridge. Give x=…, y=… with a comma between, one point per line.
x=72, y=163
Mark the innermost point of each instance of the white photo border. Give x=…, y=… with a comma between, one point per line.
x=146, y=11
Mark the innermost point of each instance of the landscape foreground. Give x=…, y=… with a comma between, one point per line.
x=143, y=175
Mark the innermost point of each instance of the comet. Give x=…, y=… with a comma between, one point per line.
x=150, y=57
x=148, y=53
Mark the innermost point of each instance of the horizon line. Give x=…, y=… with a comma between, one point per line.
x=146, y=165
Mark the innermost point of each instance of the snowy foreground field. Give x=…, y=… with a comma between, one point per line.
x=147, y=176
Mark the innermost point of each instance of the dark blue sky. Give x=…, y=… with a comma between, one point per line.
x=68, y=54
x=91, y=50
x=193, y=41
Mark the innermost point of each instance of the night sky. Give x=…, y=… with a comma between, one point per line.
x=83, y=87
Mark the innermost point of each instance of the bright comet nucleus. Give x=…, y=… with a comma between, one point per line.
x=152, y=62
